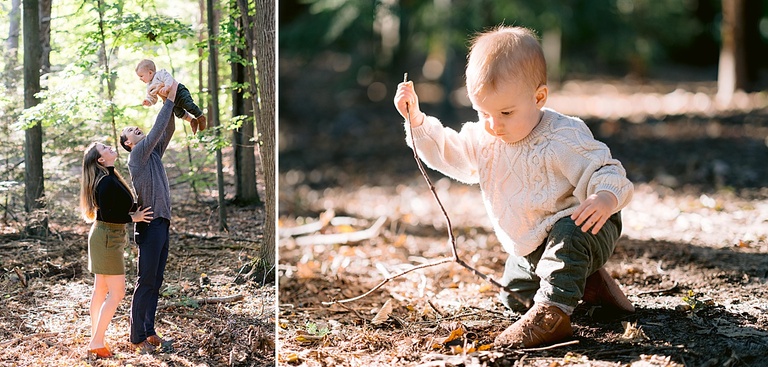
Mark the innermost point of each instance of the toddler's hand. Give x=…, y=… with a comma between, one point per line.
x=407, y=95
x=146, y=103
x=595, y=211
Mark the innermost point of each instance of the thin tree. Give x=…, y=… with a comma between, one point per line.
x=213, y=88
x=246, y=192
x=12, y=44
x=34, y=187
x=105, y=56
x=265, y=63
x=732, y=68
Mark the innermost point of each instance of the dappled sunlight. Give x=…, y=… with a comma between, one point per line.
x=609, y=102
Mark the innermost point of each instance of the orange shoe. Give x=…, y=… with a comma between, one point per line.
x=602, y=290
x=541, y=325
x=102, y=352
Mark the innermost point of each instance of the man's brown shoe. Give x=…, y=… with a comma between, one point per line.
x=541, y=325
x=602, y=290
x=165, y=345
x=144, y=347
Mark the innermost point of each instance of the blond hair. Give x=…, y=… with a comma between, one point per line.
x=146, y=64
x=505, y=54
x=93, y=172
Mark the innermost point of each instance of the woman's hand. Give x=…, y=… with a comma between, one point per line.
x=142, y=215
x=406, y=101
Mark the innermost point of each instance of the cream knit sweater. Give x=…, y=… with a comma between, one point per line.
x=528, y=185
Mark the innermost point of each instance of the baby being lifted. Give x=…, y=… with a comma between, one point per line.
x=159, y=83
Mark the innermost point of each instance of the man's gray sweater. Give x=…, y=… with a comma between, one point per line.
x=146, y=166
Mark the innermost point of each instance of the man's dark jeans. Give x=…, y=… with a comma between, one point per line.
x=152, y=239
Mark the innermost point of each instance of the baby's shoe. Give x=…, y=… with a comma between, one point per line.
x=192, y=122
x=201, y=122
x=541, y=325
x=602, y=290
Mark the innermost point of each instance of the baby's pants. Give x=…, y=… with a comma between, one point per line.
x=555, y=273
x=185, y=103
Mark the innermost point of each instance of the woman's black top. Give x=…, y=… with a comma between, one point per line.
x=114, y=200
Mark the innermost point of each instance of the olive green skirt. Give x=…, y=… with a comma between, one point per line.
x=105, y=248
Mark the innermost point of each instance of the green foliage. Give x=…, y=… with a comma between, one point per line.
x=139, y=30
x=312, y=329
x=624, y=34
x=64, y=106
x=694, y=301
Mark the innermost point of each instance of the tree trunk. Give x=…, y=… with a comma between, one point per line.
x=34, y=188
x=265, y=63
x=246, y=192
x=104, y=59
x=732, y=68
x=12, y=45
x=213, y=87
x=45, y=36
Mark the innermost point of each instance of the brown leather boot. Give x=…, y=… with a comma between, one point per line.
x=602, y=290
x=202, y=122
x=541, y=325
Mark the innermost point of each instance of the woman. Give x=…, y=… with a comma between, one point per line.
x=106, y=200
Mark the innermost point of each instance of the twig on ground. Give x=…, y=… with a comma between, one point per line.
x=342, y=238
x=385, y=281
x=324, y=220
x=660, y=291
x=452, y=239
x=435, y=308
x=553, y=346
x=204, y=301
x=27, y=337
x=203, y=236
x=351, y=309
x=22, y=276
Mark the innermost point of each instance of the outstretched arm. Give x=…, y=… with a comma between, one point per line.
x=158, y=135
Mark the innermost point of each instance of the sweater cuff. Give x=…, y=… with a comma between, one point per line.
x=422, y=131
x=621, y=195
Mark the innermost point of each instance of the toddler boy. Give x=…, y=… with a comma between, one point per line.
x=160, y=81
x=553, y=192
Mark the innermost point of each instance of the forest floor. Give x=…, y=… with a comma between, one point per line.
x=44, y=320
x=693, y=257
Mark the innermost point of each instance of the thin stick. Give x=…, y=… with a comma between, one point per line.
x=451, y=237
x=388, y=279
x=553, y=346
x=660, y=291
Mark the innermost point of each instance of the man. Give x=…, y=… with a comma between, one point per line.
x=151, y=184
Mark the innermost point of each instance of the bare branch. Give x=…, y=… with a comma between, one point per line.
x=451, y=237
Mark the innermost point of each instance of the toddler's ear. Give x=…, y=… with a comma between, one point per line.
x=542, y=92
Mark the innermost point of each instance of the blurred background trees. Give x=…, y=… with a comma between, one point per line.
x=341, y=60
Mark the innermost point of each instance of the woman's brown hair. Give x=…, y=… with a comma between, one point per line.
x=93, y=172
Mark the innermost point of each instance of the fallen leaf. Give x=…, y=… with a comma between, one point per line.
x=454, y=335
x=305, y=338
x=632, y=333
x=345, y=228
x=289, y=358
x=486, y=287
x=383, y=314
